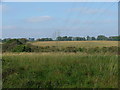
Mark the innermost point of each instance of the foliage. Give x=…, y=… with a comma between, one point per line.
x=21, y=48
x=15, y=45
x=102, y=37
x=10, y=44
x=44, y=39
x=23, y=40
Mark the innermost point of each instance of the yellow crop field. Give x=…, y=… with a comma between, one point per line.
x=86, y=44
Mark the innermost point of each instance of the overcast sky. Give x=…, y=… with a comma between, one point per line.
x=44, y=19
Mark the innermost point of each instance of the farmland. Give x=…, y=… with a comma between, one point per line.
x=62, y=69
x=86, y=44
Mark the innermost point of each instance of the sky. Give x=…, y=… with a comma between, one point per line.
x=51, y=19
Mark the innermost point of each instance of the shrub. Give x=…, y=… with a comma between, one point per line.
x=21, y=48
x=113, y=49
x=70, y=49
x=93, y=50
x=104, y=49
x=9, y=45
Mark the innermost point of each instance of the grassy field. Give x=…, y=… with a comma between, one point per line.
x=61, y=70
x=86, y=44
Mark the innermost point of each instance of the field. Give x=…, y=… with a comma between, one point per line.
x=61, y=69
x=86, y=44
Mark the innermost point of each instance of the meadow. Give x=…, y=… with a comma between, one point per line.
x=61, y=69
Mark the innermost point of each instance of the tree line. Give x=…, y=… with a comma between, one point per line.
x=88, y=38
x=68, y=38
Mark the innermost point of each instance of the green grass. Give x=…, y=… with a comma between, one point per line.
x=60, y=70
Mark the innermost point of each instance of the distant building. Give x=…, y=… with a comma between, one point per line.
x=31, y=39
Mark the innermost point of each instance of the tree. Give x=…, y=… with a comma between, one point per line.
x=102, y=37
x=93, y=38
x=23, y=40
x=69, y=39
x=6, y=39
x=114, y=38
x=65, y=38
x=59, y=38
x=84, y=39
x=88, y=38
x=44, y=39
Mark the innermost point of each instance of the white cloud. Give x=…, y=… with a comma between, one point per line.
x=39, y=19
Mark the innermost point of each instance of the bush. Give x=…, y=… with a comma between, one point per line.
x=15, y=45
x=70, y=49
x=104, y=49
x=113, y=49
x=9, y=45
x=21, y=48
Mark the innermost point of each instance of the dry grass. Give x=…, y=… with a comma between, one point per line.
x=86, y=44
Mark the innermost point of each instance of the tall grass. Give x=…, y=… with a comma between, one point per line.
x=59, y=70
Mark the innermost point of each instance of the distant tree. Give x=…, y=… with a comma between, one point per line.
x=77, y=38
x=114, y=38
x=69, y=38
x=84, y=39
x=88, y=38
x=93, y=38
x=102, y=37
x=6, y=39
x=59, y=38
x=31, y=39
x=38, y=39
x=23, y=40
x=44, y=39
x=0, y=40
x=65, y=38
